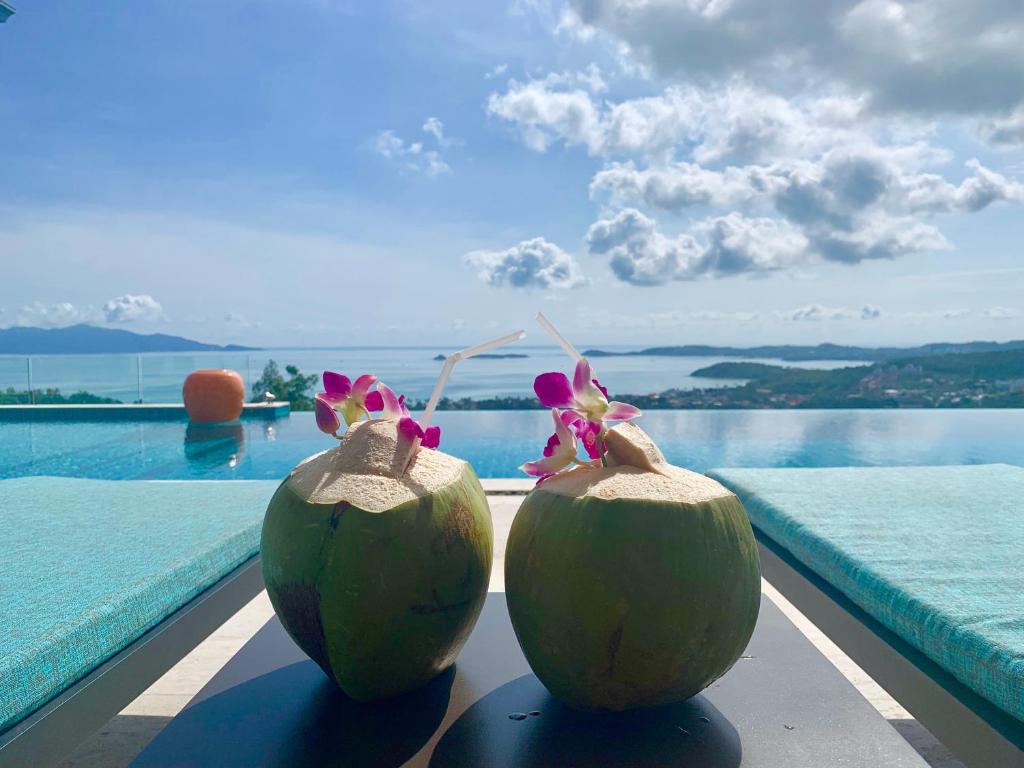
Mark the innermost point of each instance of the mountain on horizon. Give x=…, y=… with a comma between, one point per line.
x=85, y=339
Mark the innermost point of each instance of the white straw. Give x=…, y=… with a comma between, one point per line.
x=442, y=379
x=562, y=341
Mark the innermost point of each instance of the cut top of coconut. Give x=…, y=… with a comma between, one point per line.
x=628, y=445
x=366, y=470
x=669, y=483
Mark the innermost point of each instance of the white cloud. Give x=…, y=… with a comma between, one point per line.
x=532, y=263
x=435, y=128
x=639, y=253
x=928, y=56
x=1006, y=130
x=851, y=204
x=412, y=156
x=543, y=114
x=496, y=71
x=668, y=319
x=1004, y=313
x=238, y=320
x=775, y=134
x=851, y=185
x=817, y=312
x=727, y=245
x=131, y=308
x=58, y=315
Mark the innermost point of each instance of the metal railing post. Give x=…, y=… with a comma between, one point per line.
x=28, y=373
x=138, y=371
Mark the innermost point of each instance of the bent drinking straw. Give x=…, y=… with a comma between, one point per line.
x=562, y=341
x=442, y=379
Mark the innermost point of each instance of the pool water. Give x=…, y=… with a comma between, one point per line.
x=497, y=442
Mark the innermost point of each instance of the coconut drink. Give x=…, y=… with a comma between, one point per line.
x=630, y=582
x=377, y=553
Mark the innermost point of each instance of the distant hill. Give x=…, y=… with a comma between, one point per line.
x=796, y=353
x=86, y=339
x=950, y=380
x=1003, y=365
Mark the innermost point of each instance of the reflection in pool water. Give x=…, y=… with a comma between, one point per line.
x=209, y=446
x=497, y=442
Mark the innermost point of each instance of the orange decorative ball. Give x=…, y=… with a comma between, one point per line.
x=213, y=395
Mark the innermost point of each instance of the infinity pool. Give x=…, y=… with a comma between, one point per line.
x=497, y=442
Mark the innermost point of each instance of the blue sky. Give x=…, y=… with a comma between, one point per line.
x=325, y=173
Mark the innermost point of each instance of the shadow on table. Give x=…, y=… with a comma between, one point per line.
x=521, y=724
x=294, y=716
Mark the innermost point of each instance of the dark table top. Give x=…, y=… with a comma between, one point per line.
x=783, y=705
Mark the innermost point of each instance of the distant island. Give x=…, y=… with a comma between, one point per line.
x=950, y=380
x=489, y=356
x=797, y=353
x=84, y=339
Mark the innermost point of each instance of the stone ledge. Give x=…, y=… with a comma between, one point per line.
x=128, y=412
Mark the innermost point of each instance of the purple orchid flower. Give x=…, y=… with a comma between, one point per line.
x=587, y=409
x=353, y=400
x=584, y=395
x=393, y=407
x=326, y=418
x=560, y=452
x=411, y=429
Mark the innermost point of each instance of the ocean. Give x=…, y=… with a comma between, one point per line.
x=157, y=378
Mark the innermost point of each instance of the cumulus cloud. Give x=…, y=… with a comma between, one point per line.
x=239, y=320
x=532, y=263
x=777, y=120
x=669, y=319
x=497, y=71
x=851, y=203
x=1005, y=130
x=434, y=127
x=556, y=107
x=131, y=308
x=929, y=56
x=58, y=315
x=413, y=155
x=817, y=312
x=640, y=254
x=834, y=187
x=1004, y=313
x=730, y=123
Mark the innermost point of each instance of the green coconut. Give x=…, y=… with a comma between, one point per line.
x=632, y=585
x=378, y=575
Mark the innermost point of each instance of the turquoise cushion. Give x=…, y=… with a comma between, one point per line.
x=936, y=554
x=87, y=566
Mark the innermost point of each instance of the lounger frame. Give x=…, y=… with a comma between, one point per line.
x=52, y=732
x=977, y=732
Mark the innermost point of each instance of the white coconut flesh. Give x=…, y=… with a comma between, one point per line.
x=636, y=469
x=365, y=470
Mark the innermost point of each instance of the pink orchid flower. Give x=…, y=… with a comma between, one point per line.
x=393, y=407
x=584, y=395
x=560, y=452
x=353, y=400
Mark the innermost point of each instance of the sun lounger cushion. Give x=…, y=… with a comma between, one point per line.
x=87, y=566
x=935, y=554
